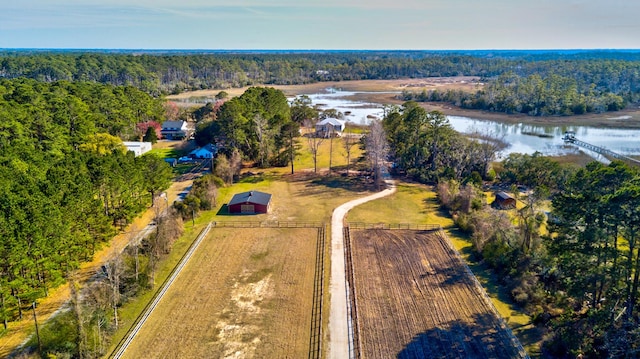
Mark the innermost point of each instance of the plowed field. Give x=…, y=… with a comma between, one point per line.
x=245, y=293
x=416, y=299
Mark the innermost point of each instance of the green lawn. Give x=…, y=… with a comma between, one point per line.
x=412, y=203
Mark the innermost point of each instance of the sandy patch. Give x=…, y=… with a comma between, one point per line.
x=240, y=339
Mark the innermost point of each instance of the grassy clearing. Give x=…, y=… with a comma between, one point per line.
x=304, y=159
x=412, y=203
x=246, y=293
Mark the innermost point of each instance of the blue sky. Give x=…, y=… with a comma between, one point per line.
x=320, y=24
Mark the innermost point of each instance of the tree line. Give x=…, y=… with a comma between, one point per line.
x=535, y=95
x=614, y=72
x=67, y=181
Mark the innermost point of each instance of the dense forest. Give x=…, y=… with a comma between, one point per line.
x=67, y=181
x=535, y=95
x=531, y=82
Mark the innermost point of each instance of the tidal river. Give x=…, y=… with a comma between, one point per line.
x=521, y=138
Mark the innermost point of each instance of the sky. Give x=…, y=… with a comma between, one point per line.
x=320, y=24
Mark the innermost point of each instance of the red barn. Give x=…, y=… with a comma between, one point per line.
x=251, y=202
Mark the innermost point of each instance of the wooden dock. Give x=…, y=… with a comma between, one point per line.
x=570, y=137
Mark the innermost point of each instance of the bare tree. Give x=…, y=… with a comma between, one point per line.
x=348, y=141
x=223, y=169
x=377, y=148
x=314, y=147
x=331, y=133
x=97, y=301
x=168, y=229
x=81, y=340
x=133, y=241
x=489, y=146
x=113, y=270
x=264, y=139
x=235, y=162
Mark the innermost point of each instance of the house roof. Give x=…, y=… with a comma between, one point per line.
x=208, y=148
x=503, y=196
x=256, y=197
x=172, y=124
x=331, y=121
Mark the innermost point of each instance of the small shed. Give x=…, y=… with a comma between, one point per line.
x=252, y=202
x=504, y=201
x=138, y=148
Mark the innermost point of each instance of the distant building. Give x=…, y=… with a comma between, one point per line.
x=252, y=202
x=138, y=148
x=504, y=201
x=330, y=127
x=175, y=130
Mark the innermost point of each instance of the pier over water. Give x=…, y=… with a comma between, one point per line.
x=570, y=137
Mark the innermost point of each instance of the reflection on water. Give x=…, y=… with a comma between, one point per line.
x=548, y=139
x=355, y=111
x=522, y=138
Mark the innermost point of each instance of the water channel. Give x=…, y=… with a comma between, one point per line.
x=521, y=138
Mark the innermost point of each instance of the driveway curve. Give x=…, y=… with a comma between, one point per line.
x=339, y=317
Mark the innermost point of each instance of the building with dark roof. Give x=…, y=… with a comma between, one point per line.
x=252, y=202
x=504, y=201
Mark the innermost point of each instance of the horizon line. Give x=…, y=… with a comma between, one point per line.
x=306, y=50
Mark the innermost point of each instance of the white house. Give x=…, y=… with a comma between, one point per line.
x=330, y=127
x=138, y=148
x=208, y=151
x=175, y=130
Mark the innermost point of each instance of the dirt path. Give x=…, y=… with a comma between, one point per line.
x=338, y=315
x=20, y=331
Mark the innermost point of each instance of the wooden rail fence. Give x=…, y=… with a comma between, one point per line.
x=352, y=305
x=411, y=226
x=267, y=224
x=315, y=341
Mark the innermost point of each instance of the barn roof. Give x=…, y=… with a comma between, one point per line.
x=256, y=197
x=503, y=196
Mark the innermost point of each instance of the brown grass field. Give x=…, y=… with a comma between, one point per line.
x=415, y=299
x=246, y=293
